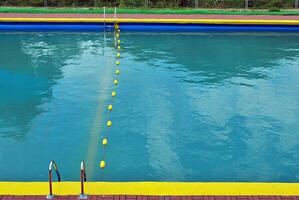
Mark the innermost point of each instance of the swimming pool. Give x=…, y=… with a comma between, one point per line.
x=189, y=106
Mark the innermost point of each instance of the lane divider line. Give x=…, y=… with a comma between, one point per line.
x=102, y=163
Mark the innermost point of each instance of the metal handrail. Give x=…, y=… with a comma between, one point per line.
x=114, y=26
x=104, y=17
x=52, y=165
x=82, y=180
x=114, y=14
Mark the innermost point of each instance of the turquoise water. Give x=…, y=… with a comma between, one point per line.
x=189, y=107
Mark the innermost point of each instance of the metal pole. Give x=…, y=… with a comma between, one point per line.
x=114, y=13
x=51, y=166
x=104, y=29
x=196, y=3
x=50, y=196
x=82, y=180
x=146, y=3
x=296, y=4
x=246, y=4
x=104, y=18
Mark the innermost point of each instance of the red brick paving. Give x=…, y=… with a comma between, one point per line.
x=150, y=16
x=123, y=197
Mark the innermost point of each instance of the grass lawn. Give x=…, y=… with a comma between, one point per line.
x=145, y=11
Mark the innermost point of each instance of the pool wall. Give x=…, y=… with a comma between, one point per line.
x=95, y=24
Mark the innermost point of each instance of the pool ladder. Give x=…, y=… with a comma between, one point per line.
x=52, y=166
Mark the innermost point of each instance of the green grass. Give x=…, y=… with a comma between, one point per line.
x=146, y=11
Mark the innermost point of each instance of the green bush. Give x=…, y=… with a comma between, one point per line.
x=273, y=3
x=221, y=4
x=274, y=10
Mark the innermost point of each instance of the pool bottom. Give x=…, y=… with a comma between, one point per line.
x=154, y=27
x=151, y=188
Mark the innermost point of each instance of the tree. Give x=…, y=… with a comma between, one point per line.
x=122, y=3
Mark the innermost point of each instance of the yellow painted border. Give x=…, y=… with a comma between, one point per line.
x=176, y=21
x=151, y=188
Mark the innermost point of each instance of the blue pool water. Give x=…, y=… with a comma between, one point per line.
x=189, y=106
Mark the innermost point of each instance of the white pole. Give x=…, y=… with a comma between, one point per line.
x=114, y=13
x=104, y=29
x=104, y=17
x=114, y=27
x=196, y=3
x=296, y=4
x=246, y=4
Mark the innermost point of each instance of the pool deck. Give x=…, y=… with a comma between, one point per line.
x=123, y=197
x=153, y=16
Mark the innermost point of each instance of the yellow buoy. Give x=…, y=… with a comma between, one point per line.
x=117, y=72
x=117, y=35
x=117, y=62
x=118, y=47
x=110, y=107
x=113, y=94
x=105, y=142
x=115, y=82
x=118, y=41
x=102, y=164
x=109, y=123
x=118, y=55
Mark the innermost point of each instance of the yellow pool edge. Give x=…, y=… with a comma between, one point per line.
x=151, y=188
x=174, y=21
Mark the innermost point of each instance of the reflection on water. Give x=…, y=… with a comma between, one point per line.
x=190, y=106
x=26, y=79
x=48, y=86
x=209, y=107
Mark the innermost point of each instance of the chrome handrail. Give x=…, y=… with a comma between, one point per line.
x=51, y=166
x=114, y=14
x=114, y=26
x=104, y=17
x=82, y=180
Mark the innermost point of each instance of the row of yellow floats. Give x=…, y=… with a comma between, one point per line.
x=113, y=94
